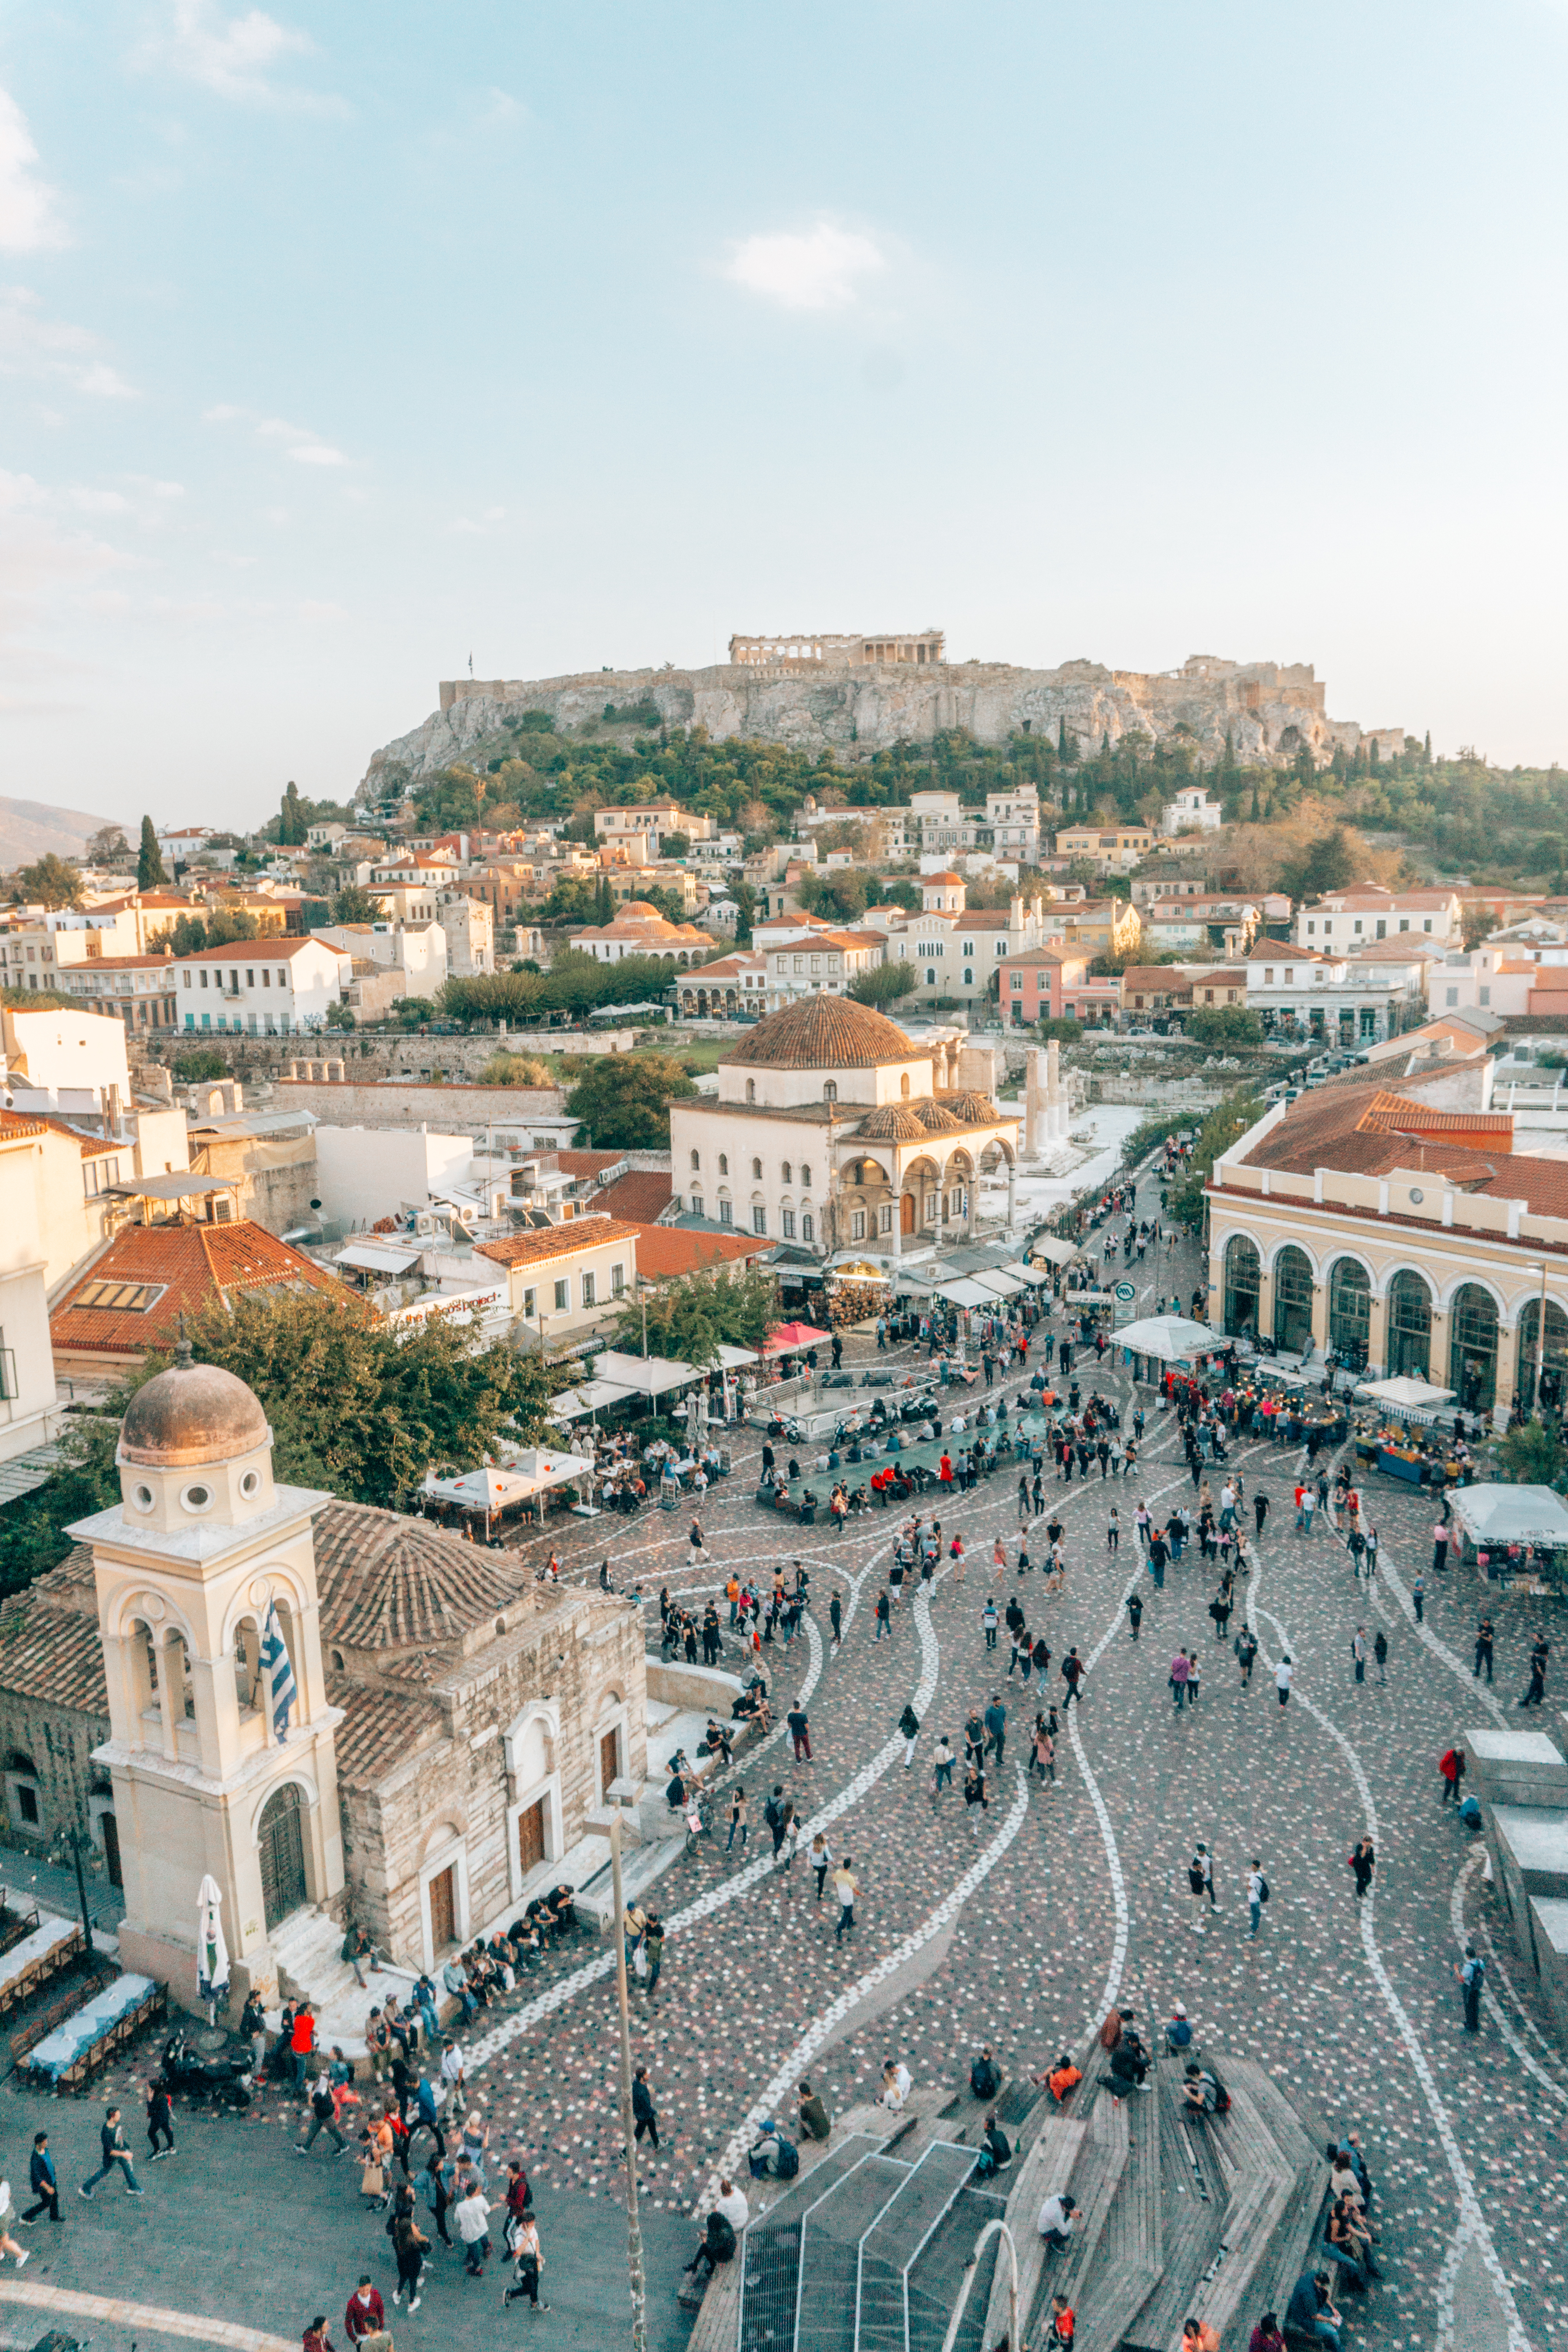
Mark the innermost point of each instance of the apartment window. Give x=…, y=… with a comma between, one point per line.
x=1269, y=976
x=805, y=1176
x=1453, y=996
x=1310, y=929
x=759, y=1221
x=885, y=1218
x=786, y=1224
x=282, y=979
x=266, y=977
x=1428, y=924
x=98, y=1175
x=858, y=1225
x=1404, y=922
x=588, y=1288
x=1486, y=995
x=249, y=977
x=530, y=1304
x=807, y=1230
x=186, y=977
x=204, y=976
x=563, y=1297
x=726, y=1215
x=800, y=963
x=931, y=980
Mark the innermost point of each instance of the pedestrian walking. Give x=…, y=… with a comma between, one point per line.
x=1440, y=1548
x=908, y=1731
x=323, y=2115
x=111, y=2139
x=821, y=1860
x=773, y=1815
x=1113, y=1532
x=1358, y=1653
x=644, y=2117
x=1245, y=1646
x=1537, y=1689
x=366, y=2314
x=1380, y=1652
x=1451, y=1765
x=942, y=1762
x=1484, y=1639
x=1363, y=1864
x=1072, y=1673
x=160, y=2120
x=1178, y=1679
x=1470, y=1973
x=20, y=2254
x=846, y=1886
x=996, y=1727
x=1283, y=1673
x=800, y=1732
x=884, y=1614
x=409, y=2246
x=1418, y=1600
x=472, y=2214
x=1259, y=1512
x=44, y=2181
x=739, y=1825
x=1135, y=1611
x=1257, y=1894
x=988, y=1618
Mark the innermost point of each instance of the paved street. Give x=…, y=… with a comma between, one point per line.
x=1014, y=1926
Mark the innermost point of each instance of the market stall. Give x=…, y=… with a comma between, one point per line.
x=1514, y=1534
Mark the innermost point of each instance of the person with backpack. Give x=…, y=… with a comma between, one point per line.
x=1451, y=1765
x=1257, y=1894
x=1246, y=1648
x=1135, y=1611
x=1470, y=1973
x=528, y=2261
x=718, y=2240
x=323, y=2115
x=774, y=1815
x=908, y=1731
x=984, y=2075
x=1200, y=1882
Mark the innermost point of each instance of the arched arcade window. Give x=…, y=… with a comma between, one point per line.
x=1350, y=1308
x=1293, y=1299
x=1409, y=1325
x=1243, y=1283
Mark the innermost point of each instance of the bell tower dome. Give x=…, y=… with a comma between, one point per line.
x=221, y=1739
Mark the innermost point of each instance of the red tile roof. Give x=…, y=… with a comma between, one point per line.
x=189, y=1264
x=665, y=1253
x=556, y=1241
x=641, y=1196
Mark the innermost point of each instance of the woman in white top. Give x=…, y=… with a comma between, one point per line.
x=1282, y=1674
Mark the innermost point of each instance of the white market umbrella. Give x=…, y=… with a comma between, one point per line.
x=1492, y=1516
x=1406, y=1394
x=211, y=1952
x=1172, y=1338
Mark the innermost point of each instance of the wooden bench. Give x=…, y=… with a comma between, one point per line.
x=1131, y=2249
x=1300, y=2223
x=1045, y=2171
x=1262, y=2179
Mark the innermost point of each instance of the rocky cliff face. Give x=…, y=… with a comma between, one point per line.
x=1271, y=711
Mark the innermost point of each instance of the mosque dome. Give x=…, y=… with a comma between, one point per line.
x=191, y=1413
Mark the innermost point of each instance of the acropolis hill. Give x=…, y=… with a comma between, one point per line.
x=858, y=695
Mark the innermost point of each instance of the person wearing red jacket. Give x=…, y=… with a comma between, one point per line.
x=316, y=2338
x=366, y=2314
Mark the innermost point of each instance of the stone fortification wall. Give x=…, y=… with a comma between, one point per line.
x=1268, y=709
x=451, y=1111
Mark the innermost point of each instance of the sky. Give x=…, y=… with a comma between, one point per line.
x=340, y=343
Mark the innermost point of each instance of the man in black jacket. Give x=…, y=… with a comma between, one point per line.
x=645, y=2119
x=46, y=2187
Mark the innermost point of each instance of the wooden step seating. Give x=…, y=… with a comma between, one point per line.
x=1192, y=2204
x=1048, y=2168
x=1301, y=2225
x=1261, y=2180
x=1130, y=2259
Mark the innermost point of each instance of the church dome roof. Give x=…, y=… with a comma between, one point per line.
x=822, y=1032
x=892, y=1123
x=972, y=1107
x=936, y=1119
x=191, y=1413
x=387, y=1581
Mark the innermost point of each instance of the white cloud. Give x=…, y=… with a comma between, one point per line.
x=28, y=217
x=305, y=448
x=481, y=526
x=818, y=271
x=34, y=345
x=235, y=56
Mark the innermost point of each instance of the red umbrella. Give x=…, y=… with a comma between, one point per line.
x=788, y=1337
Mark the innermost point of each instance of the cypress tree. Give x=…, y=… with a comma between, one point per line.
x=148, y=859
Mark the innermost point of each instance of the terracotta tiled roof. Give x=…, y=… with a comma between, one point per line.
x=1167, y=976
x=822, y=1032
x=191, y=1263
x=380, y=1729
x=974, y=1108
x=391, y=1582
x=820, y=939
x=665, y=1253
x=892, y=1123
x=52, y=1653
x=587, y=1163
x=1404, y=1115
x=556, y=1241
x=934, y=1118
x=641, y=1196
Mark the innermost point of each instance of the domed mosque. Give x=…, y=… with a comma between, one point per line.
x=336, y=1712
x=834, y=1132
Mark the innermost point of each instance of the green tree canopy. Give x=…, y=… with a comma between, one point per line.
x=690, y=1319
x=50, y=882
x=293, y=821
x=623, y=1099
x=1223, y=1024
x=1325, y=864
x=883, y=984
x=148, y=858
x=1229, y=1119
x=354, y=905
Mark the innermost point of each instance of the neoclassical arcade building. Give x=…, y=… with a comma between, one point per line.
x=833, y=1130
x=1394, y=1217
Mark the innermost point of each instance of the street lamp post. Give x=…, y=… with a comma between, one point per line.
x=628, y=2129
x=74, y=1841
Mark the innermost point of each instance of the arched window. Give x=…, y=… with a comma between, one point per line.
x=723, y=1164
x=805, y=1175
x=1553, y=1357
x=1409, y=1325
x=830, y=1090
x=1350, y=1308
x=785, y=1171
x=1243, y=1277
x=904, y=1086
x=751, y=1091
x=22, y=1791
x=807, y=1229
x=1292, y=1297
x=1472, y=1347
x=697, y=1160
x=757, y=1168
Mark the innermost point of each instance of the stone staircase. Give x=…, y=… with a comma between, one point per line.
x=306, y=1948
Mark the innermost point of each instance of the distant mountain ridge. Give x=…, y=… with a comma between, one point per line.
x=30, y=829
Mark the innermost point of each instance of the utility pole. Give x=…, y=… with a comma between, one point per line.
x=633, y=2229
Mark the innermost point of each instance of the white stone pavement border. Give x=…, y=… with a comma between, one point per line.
x=112, y=2312
x=1390, y=1580
x=1472, y=2229
x=491, y=2044
x=1493, y=2007
x=823, y=2028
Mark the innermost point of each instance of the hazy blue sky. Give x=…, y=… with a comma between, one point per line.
x=341, y=341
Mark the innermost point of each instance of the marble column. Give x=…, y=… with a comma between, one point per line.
x=1012, y=1194
x=1034, y=1102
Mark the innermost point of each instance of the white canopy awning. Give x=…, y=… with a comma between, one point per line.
x=964, y=1293
x=1057, y=1252
x=646, y=1375
x=731, y=1358
x=591, y=1396
x=1172, y=1338
x=1505, y=1515
x=381, y=1257
x=1404, y=1394
x=1034, y=1274
x=536, y=1468
x=1000, y=1281
x=487, y=1489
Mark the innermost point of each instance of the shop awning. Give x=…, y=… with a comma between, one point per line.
x=964, y=1293
x=590, y=1396
x=1172, y=1338
x=1057, y=1252
x=383, y=1259
x=789, y=1338
x=731, y=1358
x=644, y=1375
x=1034, y=1274
x=1002, y=1284
x=1404, y=1394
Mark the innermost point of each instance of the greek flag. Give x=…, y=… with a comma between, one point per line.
x=280, y=1672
